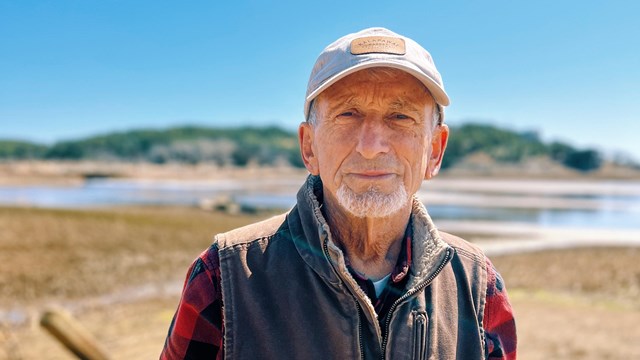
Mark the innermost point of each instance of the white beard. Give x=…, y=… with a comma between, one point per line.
x=372, y=203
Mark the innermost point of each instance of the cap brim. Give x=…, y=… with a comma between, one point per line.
x=438, y=93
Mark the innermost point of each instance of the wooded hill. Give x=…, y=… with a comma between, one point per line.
x=187, y=144
x=274, y=146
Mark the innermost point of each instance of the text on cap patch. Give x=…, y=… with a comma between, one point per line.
x=378, y=44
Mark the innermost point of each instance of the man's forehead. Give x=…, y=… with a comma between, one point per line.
x=358, y=99
x=399, y=88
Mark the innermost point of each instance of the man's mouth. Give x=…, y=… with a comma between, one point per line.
x=373, y=175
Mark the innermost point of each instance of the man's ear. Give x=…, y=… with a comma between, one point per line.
x=437, y=147
x=305, y=138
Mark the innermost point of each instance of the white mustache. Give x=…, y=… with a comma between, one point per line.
x=360, y=166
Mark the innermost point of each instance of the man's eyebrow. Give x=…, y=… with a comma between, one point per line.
x=402, y=105
x=348, y=101
x=352, y=101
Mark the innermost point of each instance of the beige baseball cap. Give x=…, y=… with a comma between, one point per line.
x=374, y=47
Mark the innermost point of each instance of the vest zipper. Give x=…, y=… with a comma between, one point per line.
x=409, y=294
x=360, y=343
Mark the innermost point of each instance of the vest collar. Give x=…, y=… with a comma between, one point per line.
x=312, y=238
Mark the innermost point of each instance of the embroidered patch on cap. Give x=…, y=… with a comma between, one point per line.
x=378, y=44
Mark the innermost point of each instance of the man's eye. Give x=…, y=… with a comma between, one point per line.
x=346, y=113
x=400, y=117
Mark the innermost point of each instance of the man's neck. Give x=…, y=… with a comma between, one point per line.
x=371, y=244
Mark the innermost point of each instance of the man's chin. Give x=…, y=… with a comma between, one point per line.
x=377, y=188
x=372, y=214
x=372, y=203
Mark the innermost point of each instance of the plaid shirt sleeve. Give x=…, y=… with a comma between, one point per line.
x=197, y=327
x=499, y=324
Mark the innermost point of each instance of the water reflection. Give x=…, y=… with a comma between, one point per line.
x=604, y=210
x=591, y=218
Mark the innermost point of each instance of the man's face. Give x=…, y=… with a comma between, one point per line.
x=373, y=137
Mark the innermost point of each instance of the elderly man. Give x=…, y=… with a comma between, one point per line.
x=357, y=269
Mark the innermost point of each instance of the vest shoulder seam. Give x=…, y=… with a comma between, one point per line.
x=252, y=242
x=464, y=248
x=252, y=233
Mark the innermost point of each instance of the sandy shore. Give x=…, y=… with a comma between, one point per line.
x=74, y=173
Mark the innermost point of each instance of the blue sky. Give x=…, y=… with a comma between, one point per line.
x=567, y=69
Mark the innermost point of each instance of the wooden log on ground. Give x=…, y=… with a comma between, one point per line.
x=72, y=335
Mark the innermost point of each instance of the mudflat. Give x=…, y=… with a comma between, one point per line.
x=119, y=272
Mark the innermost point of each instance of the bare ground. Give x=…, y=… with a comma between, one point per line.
x=575, y=304
x=569, y=304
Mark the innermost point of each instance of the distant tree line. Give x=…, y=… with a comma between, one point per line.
x=272, y=145
x=13, y=149
x=188, y=144
x=508, y=146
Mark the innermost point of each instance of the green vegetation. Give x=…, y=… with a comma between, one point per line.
x=272, y=145
x=223, y=146
x=509, y=146
x=502, y=145
x=14, y=149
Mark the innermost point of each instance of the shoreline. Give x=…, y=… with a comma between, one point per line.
x=580, y=193
x=14, y=172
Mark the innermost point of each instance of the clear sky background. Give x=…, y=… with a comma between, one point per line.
x=71, y=68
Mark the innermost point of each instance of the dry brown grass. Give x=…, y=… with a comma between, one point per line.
x=575, y=304
x=600, y=274
x=76, y=253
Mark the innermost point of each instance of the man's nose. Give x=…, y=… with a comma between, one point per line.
x=372, y=138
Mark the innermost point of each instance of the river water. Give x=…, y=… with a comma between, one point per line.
x=597, y=206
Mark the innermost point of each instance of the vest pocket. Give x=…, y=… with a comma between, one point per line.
x=419, y=335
